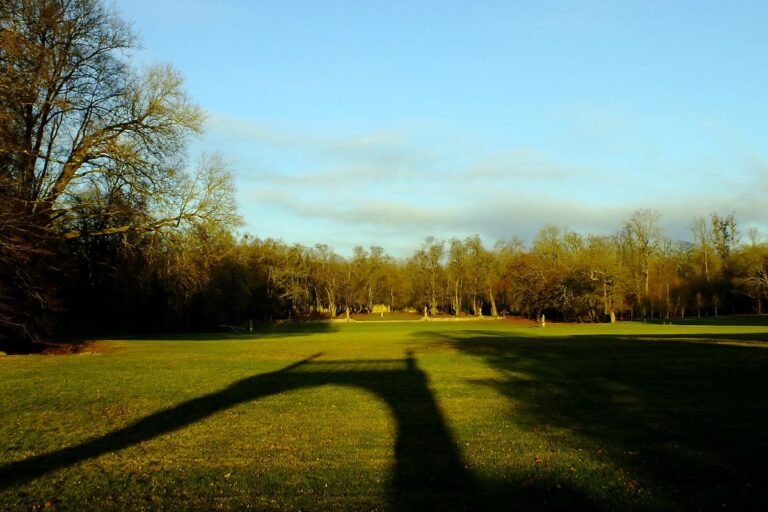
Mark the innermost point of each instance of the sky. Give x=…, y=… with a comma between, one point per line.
x=384, y=122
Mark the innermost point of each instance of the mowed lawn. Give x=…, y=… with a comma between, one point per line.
x=394, y=416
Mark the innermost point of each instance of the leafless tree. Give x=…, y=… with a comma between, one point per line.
x=89, y=145
x=643, y=236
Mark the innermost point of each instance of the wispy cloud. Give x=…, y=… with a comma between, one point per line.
x=389, y=189
x=528, y=164
x=386, y=146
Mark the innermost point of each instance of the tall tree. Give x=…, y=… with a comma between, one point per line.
x=426, y=265
x=457, y=273
x=507, y=253
x=725, y=237
x=643, y=236
x=482, y=275
x=753, y=274
x=601, y=260
x=328, y=275
x=702, y=240
x=89, y=146
x=368, y=275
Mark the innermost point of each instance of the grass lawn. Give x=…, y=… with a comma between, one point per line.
x=396, y=416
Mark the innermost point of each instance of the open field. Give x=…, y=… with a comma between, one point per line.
x=361, y=416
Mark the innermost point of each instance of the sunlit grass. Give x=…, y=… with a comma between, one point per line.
x=626, y=416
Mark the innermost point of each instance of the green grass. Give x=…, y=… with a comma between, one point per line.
x=362, y=416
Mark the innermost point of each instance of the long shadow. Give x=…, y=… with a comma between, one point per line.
x=261, y=330
x=688, y=418
x=756, y=339
x=428, y=473
x=723, y=320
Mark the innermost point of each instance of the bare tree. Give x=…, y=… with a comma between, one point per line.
x=724, y=234
x=89, y=145
x=457, y=271
x=643, y=236
x=328, y=275
x=368, y=276
x=426, y=265
x=702, y=240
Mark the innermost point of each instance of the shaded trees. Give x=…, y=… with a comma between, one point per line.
x=750, y=270
x=288, y=276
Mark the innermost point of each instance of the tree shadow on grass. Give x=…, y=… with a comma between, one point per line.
x=687, y=416
x=260, y=331
x=722, y=320
x=428, y=473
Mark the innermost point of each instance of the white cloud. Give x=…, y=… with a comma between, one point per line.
x=384, y=188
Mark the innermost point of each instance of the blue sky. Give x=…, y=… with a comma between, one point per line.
x=361, y=123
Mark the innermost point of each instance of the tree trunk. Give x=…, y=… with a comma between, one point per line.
x=370, y=299
x=331, y=303
x=318, y=304
x=698, y=305
x=456, y=299
x=647, y=275
x=494, y=312
x=706, y=264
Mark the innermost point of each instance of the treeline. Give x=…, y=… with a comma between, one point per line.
x=206, y=278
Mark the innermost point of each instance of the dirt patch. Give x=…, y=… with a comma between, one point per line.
x=67, y=348
x=49, y=348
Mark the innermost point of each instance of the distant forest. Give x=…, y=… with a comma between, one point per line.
x=106, y=227
x=204, y=277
